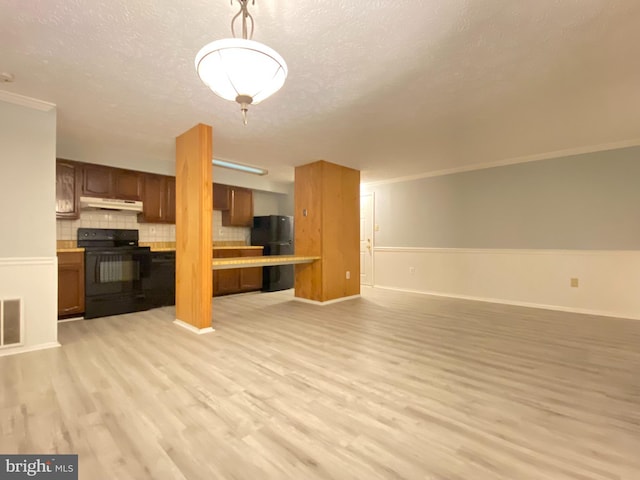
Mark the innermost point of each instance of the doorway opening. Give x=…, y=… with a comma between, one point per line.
x=366, y=238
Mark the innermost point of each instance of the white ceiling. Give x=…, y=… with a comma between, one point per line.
x=391, y=87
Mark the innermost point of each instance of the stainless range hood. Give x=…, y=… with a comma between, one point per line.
x=92, y=203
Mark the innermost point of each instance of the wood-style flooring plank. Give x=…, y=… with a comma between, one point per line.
x=391, y=385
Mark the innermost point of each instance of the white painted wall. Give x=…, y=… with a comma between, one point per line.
x=35, y=281
x=609, y=281
x=100, y=154
x=248, y=180
x=143, y=162
x=28, y=264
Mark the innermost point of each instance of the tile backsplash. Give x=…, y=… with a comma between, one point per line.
x=149, y=232
x=221, y=233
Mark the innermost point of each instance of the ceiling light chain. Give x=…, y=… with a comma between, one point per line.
x=241, y=69
x=245, y=14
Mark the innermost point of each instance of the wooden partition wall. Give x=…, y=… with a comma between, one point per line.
x=194, y=212
x=327, y=224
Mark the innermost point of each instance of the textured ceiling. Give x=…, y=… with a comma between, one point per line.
x=393, y=88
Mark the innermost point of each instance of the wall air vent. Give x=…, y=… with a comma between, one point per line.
x=11, y=327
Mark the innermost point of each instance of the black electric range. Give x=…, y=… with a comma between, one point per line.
x=115, y=269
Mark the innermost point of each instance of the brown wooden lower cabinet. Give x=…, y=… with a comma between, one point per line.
x=236, y=280
x=226, y=281
x=250, y=278
x=70, y=283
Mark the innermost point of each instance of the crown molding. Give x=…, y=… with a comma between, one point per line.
x=512, y=161
x=28, y=102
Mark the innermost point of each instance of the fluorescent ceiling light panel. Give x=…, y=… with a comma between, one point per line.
x=239, y=167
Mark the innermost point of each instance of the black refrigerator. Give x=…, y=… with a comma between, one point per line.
x=275, y=234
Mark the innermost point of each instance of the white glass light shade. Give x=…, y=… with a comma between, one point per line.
x=236, y=66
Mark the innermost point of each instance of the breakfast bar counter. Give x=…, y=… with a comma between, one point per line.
x=246, y=262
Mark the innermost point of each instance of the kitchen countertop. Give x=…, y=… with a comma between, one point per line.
x=166, y=249
x=226, y=247
x=246, y=262
x=65, y=246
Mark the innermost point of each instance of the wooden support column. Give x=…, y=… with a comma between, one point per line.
x=194, y=212
x=327, y=224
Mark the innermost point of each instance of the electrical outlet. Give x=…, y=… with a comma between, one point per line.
x=377, y=228
x=152, y=229
x=221, y=232
x=412, y=270
x=574, y=282
x=348, y=275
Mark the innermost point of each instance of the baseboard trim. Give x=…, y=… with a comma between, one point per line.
x=15, y=351
x=192, y=329
x=558, y=308
x=72, y=319
x=328, y=302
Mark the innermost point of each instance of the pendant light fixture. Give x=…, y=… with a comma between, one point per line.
x=241, y=69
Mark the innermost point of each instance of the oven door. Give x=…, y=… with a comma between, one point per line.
x=113, y=271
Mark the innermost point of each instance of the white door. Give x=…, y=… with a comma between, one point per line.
x=366, y=239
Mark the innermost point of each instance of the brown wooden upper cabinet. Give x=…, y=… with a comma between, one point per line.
x=97, y=181
x=108, y=182
x=171, y=200
x=127, y=184
x=158, y=199
x=221, y=196
x=67, y=181
x=240, y=213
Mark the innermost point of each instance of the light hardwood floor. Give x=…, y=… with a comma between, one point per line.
x=392, y=385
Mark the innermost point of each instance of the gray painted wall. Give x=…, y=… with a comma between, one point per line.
x=271, y=203
x=266, y=203
x=28, y=181
x=589, y=201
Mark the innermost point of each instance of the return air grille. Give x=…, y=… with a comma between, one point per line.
x=10, y=322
